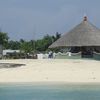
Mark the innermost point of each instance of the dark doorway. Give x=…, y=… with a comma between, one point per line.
x=87, y=52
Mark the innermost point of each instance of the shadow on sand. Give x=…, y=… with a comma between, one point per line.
x=10, y=65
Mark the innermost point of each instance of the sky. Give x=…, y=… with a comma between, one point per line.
x=32, y=19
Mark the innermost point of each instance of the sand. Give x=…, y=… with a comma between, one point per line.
x=52, y=70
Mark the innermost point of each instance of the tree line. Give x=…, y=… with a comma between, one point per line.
x=31, y=46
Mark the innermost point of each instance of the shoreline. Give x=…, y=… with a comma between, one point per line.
x=78, y=86
x=51, y=83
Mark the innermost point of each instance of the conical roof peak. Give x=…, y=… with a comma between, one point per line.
x=84, y=34
x=85, y=18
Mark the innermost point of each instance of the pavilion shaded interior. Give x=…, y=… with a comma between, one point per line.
x=86, y=51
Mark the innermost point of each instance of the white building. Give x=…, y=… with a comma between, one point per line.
x=9, y=51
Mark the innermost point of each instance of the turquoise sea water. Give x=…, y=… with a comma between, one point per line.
x=49, y=92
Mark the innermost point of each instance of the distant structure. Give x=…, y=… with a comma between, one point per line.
x=1, y=51
x=9, y=51
x=85, y=37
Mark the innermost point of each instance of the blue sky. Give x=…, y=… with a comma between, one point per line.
x=29, y=19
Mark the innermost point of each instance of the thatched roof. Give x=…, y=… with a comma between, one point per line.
x=84, y=34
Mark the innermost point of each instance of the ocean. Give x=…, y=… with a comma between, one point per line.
x=49, y=92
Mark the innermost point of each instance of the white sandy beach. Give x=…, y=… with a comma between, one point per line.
x=58, y=70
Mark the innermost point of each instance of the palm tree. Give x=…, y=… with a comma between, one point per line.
x=3, y=41
x=3, y=38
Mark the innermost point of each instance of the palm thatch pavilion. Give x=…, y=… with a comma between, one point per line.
x=84, y=36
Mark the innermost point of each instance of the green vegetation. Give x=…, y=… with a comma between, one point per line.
x=3, y=39
x=31, y=46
